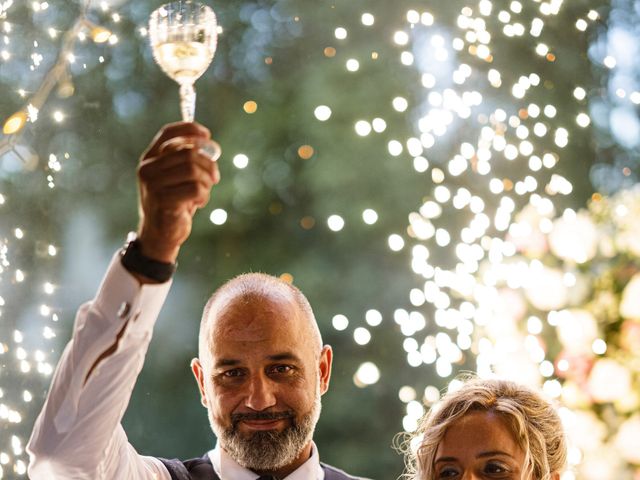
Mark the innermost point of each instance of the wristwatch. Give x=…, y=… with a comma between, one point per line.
x=134, y=261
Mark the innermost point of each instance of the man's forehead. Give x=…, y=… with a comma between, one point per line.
x=254, y=319
x=255, y=306
x=260, y=332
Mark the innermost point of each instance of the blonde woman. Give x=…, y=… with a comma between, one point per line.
x=489, y=429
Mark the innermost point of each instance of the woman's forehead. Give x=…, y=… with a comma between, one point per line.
x=483, y=429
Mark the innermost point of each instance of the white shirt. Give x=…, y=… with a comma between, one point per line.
x=78, y=434
x=228, y=469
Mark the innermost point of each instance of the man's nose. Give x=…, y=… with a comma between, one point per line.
x=261, y=394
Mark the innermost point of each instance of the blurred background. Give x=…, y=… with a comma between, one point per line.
x=452, y=184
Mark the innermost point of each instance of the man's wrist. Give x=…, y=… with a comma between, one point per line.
x=156, y=245
x=145, y=266
x=163, y=255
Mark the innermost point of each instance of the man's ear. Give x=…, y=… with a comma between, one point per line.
x=198, y=373
x=326, y=357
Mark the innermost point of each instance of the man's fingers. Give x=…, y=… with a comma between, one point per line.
x=186, y=182
x=197, y=185
x=179, y=129
x=204, y=146
x=177, y=167
x=167, y=150
x=216, y=173
x=188, y=195
x=180, y=178
x=181, y=171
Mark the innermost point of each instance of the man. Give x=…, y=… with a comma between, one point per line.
x=261, y=368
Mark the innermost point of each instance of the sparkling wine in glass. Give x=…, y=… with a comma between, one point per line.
x=183, y=37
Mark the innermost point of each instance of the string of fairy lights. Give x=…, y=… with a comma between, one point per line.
x=21, y=355
x=468, y=310
x=465, y=299
x=498, y=134
x=58, y=75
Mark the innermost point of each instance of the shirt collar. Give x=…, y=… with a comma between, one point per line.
x=228, y=469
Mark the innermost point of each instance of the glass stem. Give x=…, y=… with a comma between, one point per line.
x=187, y=102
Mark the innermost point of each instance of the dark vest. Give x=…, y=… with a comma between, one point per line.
x=202, y=469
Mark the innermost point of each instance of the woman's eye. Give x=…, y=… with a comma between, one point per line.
x=495, y=468
x=447, y=472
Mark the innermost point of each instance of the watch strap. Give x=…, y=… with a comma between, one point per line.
x=134, y=261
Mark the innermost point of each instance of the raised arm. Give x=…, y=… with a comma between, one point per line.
x=78, y=434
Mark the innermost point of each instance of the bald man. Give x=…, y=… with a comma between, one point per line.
x=261, y=367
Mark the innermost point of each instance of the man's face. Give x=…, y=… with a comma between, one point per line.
x=263, y=381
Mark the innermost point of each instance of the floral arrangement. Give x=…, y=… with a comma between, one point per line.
x=563, y=310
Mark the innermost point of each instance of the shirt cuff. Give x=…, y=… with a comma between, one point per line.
x=121, y=297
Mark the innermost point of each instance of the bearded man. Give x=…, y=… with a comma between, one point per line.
x=261, y=367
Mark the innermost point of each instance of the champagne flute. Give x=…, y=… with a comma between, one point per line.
x=183, y=37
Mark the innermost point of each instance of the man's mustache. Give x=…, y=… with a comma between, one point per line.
x=239, y=417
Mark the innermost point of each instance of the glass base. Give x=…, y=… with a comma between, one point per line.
x=211, y=150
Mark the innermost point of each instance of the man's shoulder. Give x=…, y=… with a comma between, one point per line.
x=192, y=469
x=333, y=473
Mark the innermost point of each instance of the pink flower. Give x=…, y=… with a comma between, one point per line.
x=630, y=336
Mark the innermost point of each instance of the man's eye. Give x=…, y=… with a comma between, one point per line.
x=236, y=372
x=282, y=369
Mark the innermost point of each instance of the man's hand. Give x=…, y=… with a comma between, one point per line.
x=174, y=180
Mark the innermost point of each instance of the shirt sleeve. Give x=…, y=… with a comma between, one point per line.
x=78, y=433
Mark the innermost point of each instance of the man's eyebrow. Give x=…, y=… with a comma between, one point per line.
x=284, y=356
x=277, y=357
x=227, y=362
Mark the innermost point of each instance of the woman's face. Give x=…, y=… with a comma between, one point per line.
x=479, y=446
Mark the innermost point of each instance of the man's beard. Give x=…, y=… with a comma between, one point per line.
x=268, y=450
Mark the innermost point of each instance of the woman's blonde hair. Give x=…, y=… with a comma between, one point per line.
x=534, y=423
